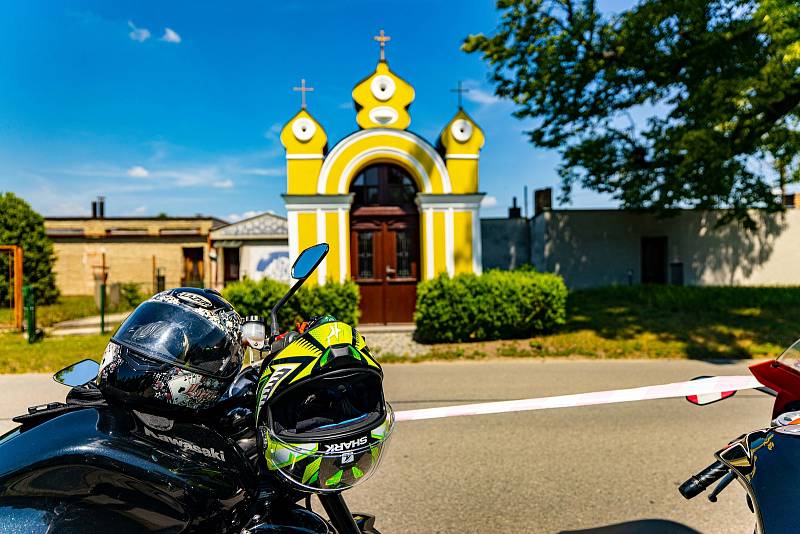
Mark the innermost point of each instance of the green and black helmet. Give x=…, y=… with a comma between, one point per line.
x=322, y=418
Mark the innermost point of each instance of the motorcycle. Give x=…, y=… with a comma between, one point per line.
x=763, y=461
x=91, y=465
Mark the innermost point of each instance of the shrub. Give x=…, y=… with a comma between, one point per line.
x=339, y=300
x=20, y=225
x=258, y=298
x=494, y=305
x=130, y=294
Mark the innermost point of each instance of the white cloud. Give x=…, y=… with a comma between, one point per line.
x=141, y=210
x=346, y=105
x=223, y=184
x=170, y=36
x=488, y=201
x=138, y=34
x=257, y=171
x=137, y=171
x=236, y=217
x=273, y=132
x=479, y=96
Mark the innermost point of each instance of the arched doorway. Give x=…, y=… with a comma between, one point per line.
x=384, y=243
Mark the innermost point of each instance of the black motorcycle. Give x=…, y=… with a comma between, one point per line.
x=92, y=465
x=762, y=461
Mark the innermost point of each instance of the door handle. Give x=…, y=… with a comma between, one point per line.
x=390, y=271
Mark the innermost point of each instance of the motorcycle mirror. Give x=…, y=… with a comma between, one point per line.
x=78, y=374
x=254, y=332
x=708, y=398
x=303, y=266
x=308, y=260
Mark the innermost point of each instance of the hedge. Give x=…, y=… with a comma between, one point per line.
x=257, y=298
x=494, y=305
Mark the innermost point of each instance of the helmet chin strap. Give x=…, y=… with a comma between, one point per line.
x=704, y=386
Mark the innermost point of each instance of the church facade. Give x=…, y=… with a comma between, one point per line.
x=395, y=208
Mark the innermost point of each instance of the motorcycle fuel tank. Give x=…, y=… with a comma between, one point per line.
x=105, y=469
x=767, y=463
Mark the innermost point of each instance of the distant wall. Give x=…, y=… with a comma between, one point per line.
x=130, y=245
x=127, y=260
x=599, y=247
x=505, y=243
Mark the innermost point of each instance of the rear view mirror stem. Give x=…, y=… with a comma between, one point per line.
x=309, y=263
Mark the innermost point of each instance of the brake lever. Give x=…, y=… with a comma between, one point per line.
x=723, y=483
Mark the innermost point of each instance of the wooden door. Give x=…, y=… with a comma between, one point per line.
x=192, y=267
x=230, y=262
x=384, y=244
x=385, y=265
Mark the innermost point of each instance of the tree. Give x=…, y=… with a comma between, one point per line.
x=20, y=225
x=717, y=81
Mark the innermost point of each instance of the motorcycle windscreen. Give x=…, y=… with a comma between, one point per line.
x=175, y=335
x=768, y=463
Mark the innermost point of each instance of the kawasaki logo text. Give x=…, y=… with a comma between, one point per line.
x=187, y=445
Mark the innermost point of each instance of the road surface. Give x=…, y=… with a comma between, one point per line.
x=564, y=470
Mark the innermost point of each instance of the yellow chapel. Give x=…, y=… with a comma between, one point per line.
x=394, y=207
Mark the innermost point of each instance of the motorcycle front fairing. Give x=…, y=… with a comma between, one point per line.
x=767, y=463
x=102, y=468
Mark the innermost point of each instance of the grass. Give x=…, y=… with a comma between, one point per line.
x=614, y=322
x=703, y=323
x=66, y=308
x=48, y=355
x=52, y=353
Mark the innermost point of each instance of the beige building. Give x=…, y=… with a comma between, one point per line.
x=149, y=251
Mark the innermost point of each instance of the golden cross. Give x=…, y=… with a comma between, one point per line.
x=303, y=90
x=382, y=39
x=460, y=90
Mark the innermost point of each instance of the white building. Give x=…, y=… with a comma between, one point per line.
x=603, y=247
x=254, y=248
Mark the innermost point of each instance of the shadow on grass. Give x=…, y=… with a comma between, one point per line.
x=707, y=322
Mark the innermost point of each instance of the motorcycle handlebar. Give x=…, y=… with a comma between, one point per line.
x=702, y=480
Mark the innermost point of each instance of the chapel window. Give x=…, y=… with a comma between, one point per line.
x=382, y=184
x=365, y=254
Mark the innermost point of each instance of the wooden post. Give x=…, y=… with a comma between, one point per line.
x=16, y=260
x=18, y=287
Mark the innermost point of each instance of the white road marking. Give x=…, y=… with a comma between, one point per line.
x=703, y=386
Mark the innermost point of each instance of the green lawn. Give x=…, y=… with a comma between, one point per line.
x=657, y=322
x=65, y=309
x=614, y=322
x=48, y=355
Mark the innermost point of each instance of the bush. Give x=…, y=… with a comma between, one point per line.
x=494, y=305
x=258, y=298
x=20, y=225
x=339, y=300
x=130, y=294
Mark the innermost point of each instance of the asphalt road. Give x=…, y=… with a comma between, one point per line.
x=575, y=469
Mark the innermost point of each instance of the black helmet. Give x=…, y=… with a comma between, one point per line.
x=180, y=349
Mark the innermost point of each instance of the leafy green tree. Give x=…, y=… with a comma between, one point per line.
x=20, y=225
x=718, y=82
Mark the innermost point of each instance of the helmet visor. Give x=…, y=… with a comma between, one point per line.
x=175, y=335
x=330, y=467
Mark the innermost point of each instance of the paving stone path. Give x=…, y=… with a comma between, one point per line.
x=395, y=343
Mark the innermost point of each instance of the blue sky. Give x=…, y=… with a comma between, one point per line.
x=173, y=106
